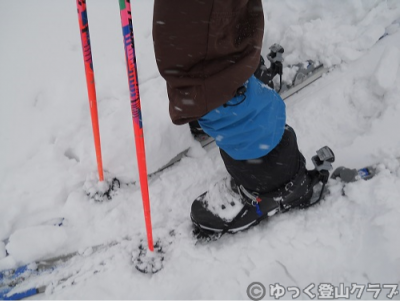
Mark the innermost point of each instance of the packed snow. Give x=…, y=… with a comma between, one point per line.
x=48, y=162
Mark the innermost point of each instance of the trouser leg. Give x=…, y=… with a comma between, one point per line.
x=270, y=172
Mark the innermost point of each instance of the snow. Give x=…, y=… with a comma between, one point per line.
x=48, y=163
x=221, y=200
x=28, y=244
x=2, y=250
x=384, y=78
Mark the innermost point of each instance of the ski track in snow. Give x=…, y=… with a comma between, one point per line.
x=47, y=157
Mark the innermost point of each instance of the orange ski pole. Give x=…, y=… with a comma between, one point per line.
x=87, y=57
x=127, y=31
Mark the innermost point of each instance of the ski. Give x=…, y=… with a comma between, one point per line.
x=16, y=284
x=5, y=294
x=322, y=162
x=307, y=74
x=10, y=280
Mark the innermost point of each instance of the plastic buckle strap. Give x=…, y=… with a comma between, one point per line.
x=288, y=186
x=250, y=198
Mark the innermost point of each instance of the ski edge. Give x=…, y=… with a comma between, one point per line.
x=319, y=72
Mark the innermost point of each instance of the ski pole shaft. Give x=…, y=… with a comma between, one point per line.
x=127, y=31
x=87, y=57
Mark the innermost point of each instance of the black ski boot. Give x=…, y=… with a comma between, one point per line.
x=241, y=209
x=229, y=208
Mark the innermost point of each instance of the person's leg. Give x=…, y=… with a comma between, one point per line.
x=258, y=189
x=195, y=128
x=268, y=173
x=262, y=157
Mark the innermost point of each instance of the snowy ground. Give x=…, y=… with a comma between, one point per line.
x=47, y=156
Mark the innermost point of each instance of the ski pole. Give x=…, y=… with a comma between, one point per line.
x=127, y=31
x=87, y=57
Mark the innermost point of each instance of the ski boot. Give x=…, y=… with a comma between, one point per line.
x=230, y=208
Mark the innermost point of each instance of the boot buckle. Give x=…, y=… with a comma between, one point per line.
x=288, y=186
x=250, y=198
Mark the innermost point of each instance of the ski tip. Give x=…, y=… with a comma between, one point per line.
x=6, y=294
x=149, y=262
